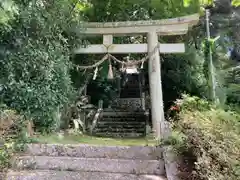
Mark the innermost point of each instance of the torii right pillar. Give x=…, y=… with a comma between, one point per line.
x=155, y=82
x=179, y=27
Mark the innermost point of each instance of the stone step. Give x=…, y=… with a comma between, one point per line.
x=96, y=151
x=68, y=175
x=153, y=167
x=121, y=110
x=103, y=126
x=121, y=123
x=122, y=113
x=2, y=175
x=119, y=135
x=122, y=119
x=120, y=130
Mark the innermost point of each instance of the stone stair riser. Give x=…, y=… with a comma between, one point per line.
x=96, y=151
x=64, y=175
x=120, y=124
x=119, y=135
x=121, y=119
x=119, y=127
x=120, y=130
x=155, y=167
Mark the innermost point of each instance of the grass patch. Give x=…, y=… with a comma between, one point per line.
x=85, y=139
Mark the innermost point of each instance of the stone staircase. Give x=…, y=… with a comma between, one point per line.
x=121, y=124
x=88, y=162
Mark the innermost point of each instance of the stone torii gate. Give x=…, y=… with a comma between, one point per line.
x=152, y=28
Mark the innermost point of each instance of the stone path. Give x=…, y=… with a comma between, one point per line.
x=88, y=162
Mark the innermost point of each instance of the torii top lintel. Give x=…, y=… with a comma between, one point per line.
x=173, y=26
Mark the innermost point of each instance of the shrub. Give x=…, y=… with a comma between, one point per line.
x=35, y=61
x=14, y=134
x=210, y=139
x=8, y=121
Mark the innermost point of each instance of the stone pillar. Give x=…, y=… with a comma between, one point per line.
x=155, y=84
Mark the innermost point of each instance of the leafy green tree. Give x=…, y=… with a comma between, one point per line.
x=34, y=61
x=7, y=11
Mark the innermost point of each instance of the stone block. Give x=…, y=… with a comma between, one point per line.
x=152, y=167
x=67, y=175
x=96, y=151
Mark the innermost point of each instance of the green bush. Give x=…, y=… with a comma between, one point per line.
x=13, y=135
x=35, y=61
x=8, y=119
x=4, y=159
x=210, y=136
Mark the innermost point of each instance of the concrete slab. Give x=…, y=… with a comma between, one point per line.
x=154, y=167
x=96, y=151
x=68, y=175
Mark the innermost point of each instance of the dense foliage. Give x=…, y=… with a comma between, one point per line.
x=8, y=118
x=35, y=47
x=208, y=137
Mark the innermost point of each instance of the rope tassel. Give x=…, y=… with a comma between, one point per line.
x=110, y=71
x=142, y=65
x=95, y=73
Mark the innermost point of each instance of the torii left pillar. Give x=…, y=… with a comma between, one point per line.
x=155, y=83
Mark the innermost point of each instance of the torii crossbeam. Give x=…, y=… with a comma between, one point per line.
x=153, y=28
